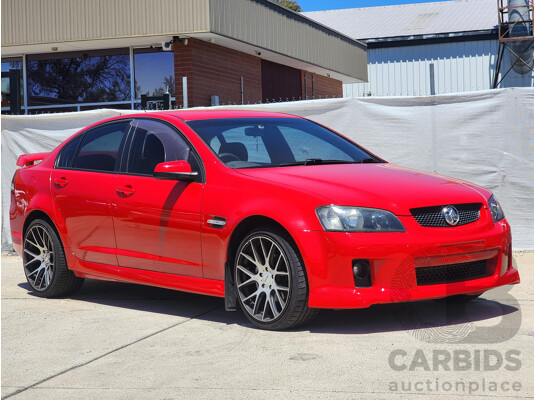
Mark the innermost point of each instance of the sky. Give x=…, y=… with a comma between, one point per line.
x=151, y=69
x=319, y=5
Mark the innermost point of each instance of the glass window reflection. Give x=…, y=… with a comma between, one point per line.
x=153, y=71
x=7, y=64
x=90, y=77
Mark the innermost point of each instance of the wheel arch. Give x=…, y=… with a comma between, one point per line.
x=240, y=231
x=38, y=214
x=247, y=225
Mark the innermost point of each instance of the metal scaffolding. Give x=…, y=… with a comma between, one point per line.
x=516, y=35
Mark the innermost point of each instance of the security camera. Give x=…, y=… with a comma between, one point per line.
x=167, y=46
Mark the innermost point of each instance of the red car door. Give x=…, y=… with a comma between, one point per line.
x=83, y=182
x=157, y=222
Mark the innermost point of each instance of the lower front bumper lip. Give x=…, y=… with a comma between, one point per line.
x=334, y=297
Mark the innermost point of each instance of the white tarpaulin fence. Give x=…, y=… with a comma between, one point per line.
x=482, y=137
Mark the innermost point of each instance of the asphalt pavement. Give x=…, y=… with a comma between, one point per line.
x=122, y=341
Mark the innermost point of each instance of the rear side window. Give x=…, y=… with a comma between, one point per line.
x=66, y=157
x=100, y=147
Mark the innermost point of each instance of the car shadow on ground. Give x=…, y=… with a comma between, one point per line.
x=412, y=316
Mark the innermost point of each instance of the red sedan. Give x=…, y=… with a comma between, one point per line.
x=270, y=211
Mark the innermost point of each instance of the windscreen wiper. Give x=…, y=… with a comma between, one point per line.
x=320, y=161
x=367, y=161
x=315, y=161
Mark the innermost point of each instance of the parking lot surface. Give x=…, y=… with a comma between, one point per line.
x=121, y=341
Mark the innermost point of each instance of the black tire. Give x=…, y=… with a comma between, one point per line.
x=458, y=298
x=295, y=311
x=44, y=262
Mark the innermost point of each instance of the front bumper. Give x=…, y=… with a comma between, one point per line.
x=394, y=257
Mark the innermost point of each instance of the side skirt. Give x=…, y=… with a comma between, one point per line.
x=131, y=275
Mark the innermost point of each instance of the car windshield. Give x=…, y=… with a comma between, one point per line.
x=277, y=142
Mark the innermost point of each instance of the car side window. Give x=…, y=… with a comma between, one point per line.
x=67, y=154
x=154, y=142
x=99, y=150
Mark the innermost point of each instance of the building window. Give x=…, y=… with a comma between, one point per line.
x=79, y=77
x=153, y=72
x=7, y=65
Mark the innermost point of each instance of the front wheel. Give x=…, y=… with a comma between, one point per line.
x=44, y=261
x=271, y=281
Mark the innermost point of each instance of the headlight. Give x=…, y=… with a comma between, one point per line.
x=495, y=209
x=358, y=219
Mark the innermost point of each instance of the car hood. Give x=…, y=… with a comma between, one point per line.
x=383, y=185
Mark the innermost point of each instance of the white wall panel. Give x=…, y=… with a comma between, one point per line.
x=484, y=137
x=459, y=67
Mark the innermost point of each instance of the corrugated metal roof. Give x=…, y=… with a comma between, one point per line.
x=411, y=19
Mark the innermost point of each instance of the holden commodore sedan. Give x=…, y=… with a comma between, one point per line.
x=277, y=214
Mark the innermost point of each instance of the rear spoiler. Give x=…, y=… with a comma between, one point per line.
x=30, y=159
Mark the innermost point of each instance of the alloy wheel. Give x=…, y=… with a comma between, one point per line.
x=38, y=257
x=263, y=278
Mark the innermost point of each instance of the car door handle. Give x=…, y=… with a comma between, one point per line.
x=61, y=182
x=126, y=190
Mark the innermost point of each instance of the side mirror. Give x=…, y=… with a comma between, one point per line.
x=175, y=170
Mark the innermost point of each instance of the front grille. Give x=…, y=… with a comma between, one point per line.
x=432, y=216
x=451, y=273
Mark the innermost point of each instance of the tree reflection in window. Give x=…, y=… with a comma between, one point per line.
x=82, y=79
x=154, y=73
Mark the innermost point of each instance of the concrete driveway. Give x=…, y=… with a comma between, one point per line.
x=120, y=341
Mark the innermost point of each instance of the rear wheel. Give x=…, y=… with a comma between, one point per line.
x=44, y=262
x=271, y=281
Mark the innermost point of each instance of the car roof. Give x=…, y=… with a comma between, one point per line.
x=192, y=115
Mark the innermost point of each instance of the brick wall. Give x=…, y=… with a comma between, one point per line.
x=321, y=86
x=216, y=70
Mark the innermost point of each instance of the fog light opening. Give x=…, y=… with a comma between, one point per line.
x=361, y=273
x=361, y=270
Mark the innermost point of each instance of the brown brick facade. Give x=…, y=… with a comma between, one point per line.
x=320, y=87
x=216, y=70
